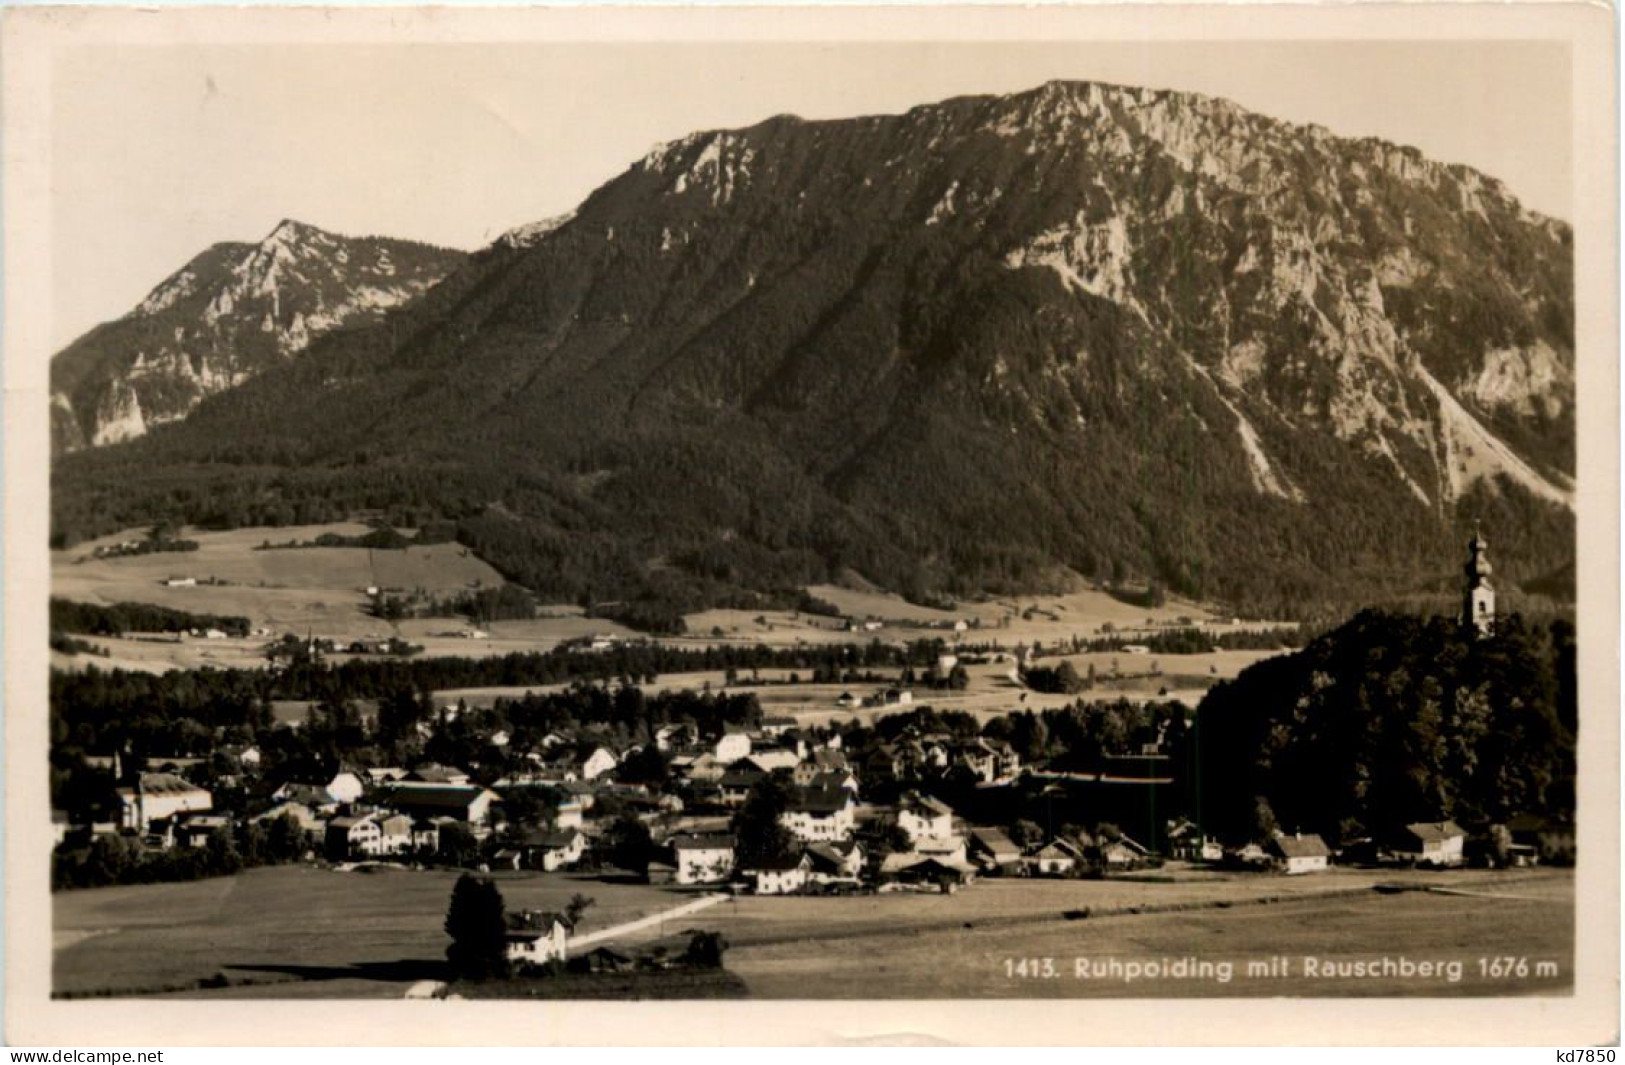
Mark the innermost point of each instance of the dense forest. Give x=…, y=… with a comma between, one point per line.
x=1390, y=720
x=92, y=619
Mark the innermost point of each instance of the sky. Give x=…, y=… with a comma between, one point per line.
x=158, y=151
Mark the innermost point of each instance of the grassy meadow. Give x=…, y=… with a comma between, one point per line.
x=366, y=933
x=301, y=932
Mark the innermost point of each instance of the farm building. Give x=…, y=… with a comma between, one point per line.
x=1435, y=843
x=1058, y=857
x=1297, y=853
x=834, y=863
x=992, y=849
x=551, y=851
x=913, y=869
x=778, y=876
x=536, y=946
x=1122, y=853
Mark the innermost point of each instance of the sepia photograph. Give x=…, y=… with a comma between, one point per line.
x=670, y=509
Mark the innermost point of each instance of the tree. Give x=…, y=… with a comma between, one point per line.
x=1264, y=824
x=221, y=852
x=285, y=840
x=705, y=950
x=631, y=847
x=646, y=766
x=889, y=838
x=758, y=830
x=478, y=927
x=1500, y=845
x=1026, y=834
x=457, y=843
x=579, y=904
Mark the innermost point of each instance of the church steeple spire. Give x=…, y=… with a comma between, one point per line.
x=1478, y=599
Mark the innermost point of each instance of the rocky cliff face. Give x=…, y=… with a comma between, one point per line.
x=1087, y=328
x=228, y=314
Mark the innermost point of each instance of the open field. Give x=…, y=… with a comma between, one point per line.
x=313, y=933
x=990, y=692
x=932, y=946
x=318, y=590
x=356, y=933
x=1045, y=619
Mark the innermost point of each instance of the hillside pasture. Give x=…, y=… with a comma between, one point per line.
x=317, y=590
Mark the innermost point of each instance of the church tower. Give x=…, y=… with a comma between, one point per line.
x=1478, y=598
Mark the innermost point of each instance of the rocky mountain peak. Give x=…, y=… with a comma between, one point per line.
x=222, y=318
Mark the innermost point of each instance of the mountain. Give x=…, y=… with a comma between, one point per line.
x=232, y=312
x=994, y=343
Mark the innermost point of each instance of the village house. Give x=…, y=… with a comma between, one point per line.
x=703, y=859
x=675, y=737
x=1435, y=843
x=571, y=813
x=302, y=815
x=1296, y=854
x=435, y=773
x=194, y=829
x=157, y=796
x=847, y=701
x=1187, y=842
x=548, y=941
x=778, y=876
x=819, y=814
x=1249, y=856
x=395, y=833
x=823, y=764
x=925, y=817
x=349, y=837
x=768, y=759
x=917, y=870
x=1058, y=857
x=314, y=796
x=702, y=768
x=991, y=848
x=552, y=851
x=735, y=785
x=600, y=761
x=833, y=779
x=1124, y=853
x=733, y=745
x=323, y=789
x=839, y=862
